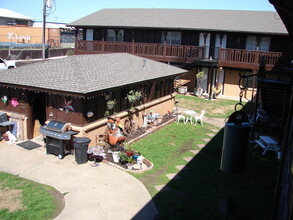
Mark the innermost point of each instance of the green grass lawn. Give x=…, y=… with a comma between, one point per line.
x=217, y=108
x=202, y=186
x=37, y=200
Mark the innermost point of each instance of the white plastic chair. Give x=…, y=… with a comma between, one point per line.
x=189, y=114
x=181, y=117
x=200, y=117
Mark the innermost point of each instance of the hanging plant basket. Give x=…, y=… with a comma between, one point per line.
x=111, y=104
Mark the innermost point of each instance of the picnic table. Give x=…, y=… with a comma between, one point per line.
x=268, y=144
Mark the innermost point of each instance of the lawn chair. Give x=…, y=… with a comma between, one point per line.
x=200, y=117
x=181, y=117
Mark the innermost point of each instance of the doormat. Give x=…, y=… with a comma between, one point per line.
x=29, y=145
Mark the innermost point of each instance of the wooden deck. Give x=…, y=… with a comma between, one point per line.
x=227, y=57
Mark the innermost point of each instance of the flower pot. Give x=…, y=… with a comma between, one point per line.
x=182, y=90
x=110, y=106
x=198, y=92
x=129, y=166
x=135, y=157
x=116, y=156
x=129, y=153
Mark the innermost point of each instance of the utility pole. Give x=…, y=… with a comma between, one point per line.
x=44, y=29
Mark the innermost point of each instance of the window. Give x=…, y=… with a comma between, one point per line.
x=260, y=43
x=173, y=37
x=251, y=43
x=264, y=44
x=115, y=35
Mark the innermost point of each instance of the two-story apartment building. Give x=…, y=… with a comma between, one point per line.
x=222, y=43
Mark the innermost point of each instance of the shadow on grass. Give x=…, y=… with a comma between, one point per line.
x=203, y=189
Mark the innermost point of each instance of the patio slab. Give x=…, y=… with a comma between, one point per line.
x=173, y=176
x=188, y=158
x=182, y=167
x=162, y=188
x=206, y=139
x=91, y=192
x=201, y=145
x=215, y=130
x=210, y=134
x=194, y=151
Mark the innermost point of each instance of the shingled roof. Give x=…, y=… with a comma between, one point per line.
x=194, y=19
x=87, y=73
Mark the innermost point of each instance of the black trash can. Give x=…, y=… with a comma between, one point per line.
x=236, y=137
x=81, y=147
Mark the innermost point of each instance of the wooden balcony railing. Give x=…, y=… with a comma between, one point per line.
x=226, y=57
x=246, y=59
x=162, y=52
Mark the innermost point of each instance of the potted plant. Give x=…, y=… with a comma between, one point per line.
x=216, y=90
x=128, y=150
x=107, y=113
x=123, y=158
x=135, y=155
x=111, y=104
x=130, y=163
x=200, y=76
x=133, y=97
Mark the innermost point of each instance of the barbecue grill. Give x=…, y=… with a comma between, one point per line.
x=58, y=138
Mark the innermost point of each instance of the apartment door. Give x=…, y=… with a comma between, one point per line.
x=204, y=40
x=218, y=44
x=89, y=37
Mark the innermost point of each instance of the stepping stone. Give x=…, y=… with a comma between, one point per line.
x=201, y=145
x=182, y=167
x=210, y=134
x=188, y=158
x=215, y=130
x=194, y=151
x=173, y=176
x=162, y=188
x=206, y=139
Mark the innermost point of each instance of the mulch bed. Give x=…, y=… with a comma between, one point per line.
x=135, y=136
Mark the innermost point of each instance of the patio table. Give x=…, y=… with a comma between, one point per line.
x=268, y=144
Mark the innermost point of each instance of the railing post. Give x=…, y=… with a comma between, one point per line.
x=102, y=45
x=256, y=60
x=220, y=54
x=132, y=46
x=164, y=49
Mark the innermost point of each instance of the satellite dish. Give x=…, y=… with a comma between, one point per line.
x=49, y=3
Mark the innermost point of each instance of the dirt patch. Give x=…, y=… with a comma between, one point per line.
x=186, y=146
x=59, y=201
x=11, y=199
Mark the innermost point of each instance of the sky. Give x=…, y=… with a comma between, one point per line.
x=66, y=11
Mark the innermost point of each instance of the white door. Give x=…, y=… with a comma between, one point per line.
x=90, y=37
x=217, y=45
x=89, y=34
x=201, y=43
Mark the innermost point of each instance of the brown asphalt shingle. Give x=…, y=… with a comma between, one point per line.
x=194, y=19
x=88, y=73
